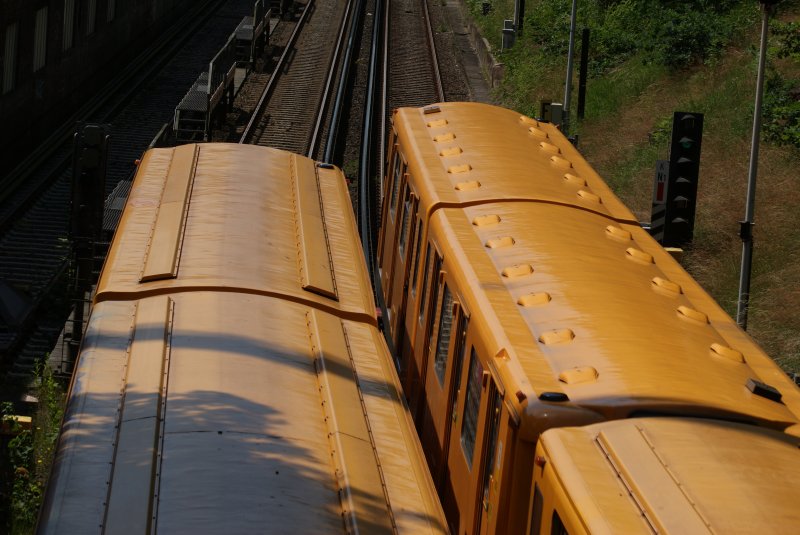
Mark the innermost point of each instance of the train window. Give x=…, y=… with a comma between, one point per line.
x=424, y=284
x=40, y=39
x=472, y=403
x=460, y=352
x=536, y=514
x=418, y=248
x=10, y=58
x=407, y=218
x=397, y=174
x=434, y=299
x=494, y=428
x=69, y=24
x=445, y=328
x=557, y=526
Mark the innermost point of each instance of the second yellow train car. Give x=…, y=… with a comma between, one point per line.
x=523, y=296
x=232, y=377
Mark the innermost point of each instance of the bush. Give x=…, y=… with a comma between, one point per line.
x=781, y=110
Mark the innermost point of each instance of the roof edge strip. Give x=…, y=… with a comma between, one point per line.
x=135, y=295
x=478, y=202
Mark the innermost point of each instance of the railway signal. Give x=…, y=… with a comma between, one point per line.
x=675, y=188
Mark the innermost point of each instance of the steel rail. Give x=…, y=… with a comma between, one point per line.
x=313, y=143
x=262, y=101
x=437, y=76
x=330, y=142
x=365, y=162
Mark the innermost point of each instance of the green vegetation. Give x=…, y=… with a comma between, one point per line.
x=649, y=58
x=31, y=453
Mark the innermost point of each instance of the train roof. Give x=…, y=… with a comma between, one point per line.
x=213, y=216
x=582, y=306
x=229, y=398
x=465, y=153
x=666, y=475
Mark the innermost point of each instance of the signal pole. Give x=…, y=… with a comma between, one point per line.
x=570, y=53
x=746, y=229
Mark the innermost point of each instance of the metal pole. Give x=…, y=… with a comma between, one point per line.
x=747, y=225
x=568, y=87
x=583, y=73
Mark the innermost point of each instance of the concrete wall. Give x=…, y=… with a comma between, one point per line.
x=39, y=100
x=493, y=70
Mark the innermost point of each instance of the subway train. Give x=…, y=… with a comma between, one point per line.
x=232, y=378
x=564, y=372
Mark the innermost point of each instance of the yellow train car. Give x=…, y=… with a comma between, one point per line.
x=232, y=377
x=522, y=296
x=665, y=475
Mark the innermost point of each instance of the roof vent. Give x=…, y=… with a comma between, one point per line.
x=463, y=168
x=618, y=234
x=431, y=109
x=729, y=353
x=527, y=120
x=589, y=196
x=639, y=256
x=505, y=241
x=534, y=299
x=560, y=162
x=575, y=180
x=549, y=147
x=486, y=220
x=519, y=270
x=763, y=389
x=449, y=136
x=450, y=151
x=437, y=123
x=666, y=287
x=468, y=186
x=580, y=374
x=326, y=166
x=685, y=312
x=538, y=133
x=557, y=336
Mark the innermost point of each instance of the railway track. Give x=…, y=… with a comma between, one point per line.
x=35, y=214
x=292, y=107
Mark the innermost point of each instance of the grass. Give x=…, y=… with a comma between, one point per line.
x=626, y=129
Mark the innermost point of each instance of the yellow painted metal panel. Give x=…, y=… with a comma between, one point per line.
x=240, y=233
x=361, y=489
x=313, y=254
x=687, y=475
x=161, y=260
x=133, y=479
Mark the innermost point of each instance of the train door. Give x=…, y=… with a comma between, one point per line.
x=406, y=345
x=467, y=454
x=390, y=222
x=399, y=291
x=446, y=347
x=428, y=301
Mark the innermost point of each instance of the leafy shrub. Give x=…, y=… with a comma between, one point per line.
x=781, y=111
